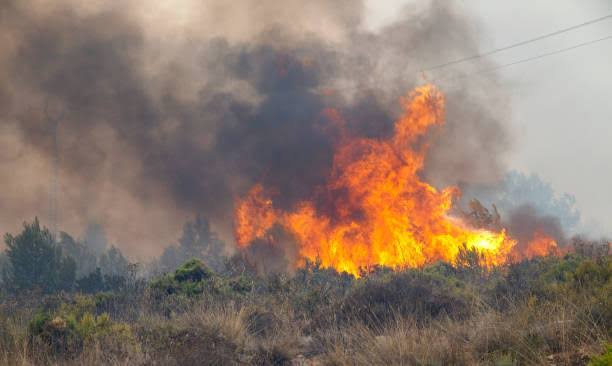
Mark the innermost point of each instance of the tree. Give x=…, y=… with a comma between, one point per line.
x=92, y=283
x=86, y=260
x=170, y=258
x=65, y=273
x=518, y=189
x=4, y=271
x=36, y=262
x=95, y=238
x=197, y=241
x=113, y=263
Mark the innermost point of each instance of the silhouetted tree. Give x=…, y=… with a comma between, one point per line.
x=518, y=189
x=86, y=260
x=65, y=273
x=4, y=271
x=113, y=263
x=36, y=262
x=197, y=241
x=95, y=238
x=92, y=283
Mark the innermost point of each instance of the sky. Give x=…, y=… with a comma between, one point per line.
x=560, y=105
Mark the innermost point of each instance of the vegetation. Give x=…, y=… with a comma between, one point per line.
x=549, y=310
x=36, y=262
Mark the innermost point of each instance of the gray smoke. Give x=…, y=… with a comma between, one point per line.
x=524, y=222
x=183, y=110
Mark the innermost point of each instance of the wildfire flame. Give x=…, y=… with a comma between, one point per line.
x=381, y=213
x=541, y=245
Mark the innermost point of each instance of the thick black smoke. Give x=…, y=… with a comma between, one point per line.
x=157, y=122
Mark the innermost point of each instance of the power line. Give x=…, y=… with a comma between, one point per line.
x=588, y=43
x=494, y=51
x=117, y=113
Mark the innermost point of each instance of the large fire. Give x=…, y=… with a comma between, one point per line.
x=382, y=212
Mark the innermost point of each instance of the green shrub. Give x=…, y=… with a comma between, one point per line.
x=605, y=359
x=174, y=293
x=411, y=292
x=193, y=270
x=54, y=336
x=190, y=279
x=74, y=326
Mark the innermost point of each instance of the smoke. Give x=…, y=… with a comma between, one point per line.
x=180, y=109
x=524, y=223
x=517, y=190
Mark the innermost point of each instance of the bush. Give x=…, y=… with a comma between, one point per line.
x=55, y=336
x=545, y=310
x=65, y=333
x=190, y=279
x=193, y=271
x=603, y=360
x=412, y=292
x=174, y=292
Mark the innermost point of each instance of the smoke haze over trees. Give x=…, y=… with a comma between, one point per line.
x=167, y=118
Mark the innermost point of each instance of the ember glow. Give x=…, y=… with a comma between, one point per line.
x=378, y=210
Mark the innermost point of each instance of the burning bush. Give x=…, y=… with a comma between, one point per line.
x=376, y=210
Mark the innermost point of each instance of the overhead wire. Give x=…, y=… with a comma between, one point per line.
x=518, y=44
x=484, y=54
x=528, y=59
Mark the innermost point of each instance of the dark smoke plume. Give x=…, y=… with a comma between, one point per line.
x=183, y=110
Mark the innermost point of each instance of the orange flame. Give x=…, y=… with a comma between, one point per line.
x=382, y=212
x=540, y=245
x=254, y=215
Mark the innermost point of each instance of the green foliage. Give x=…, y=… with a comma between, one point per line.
x=314, y=288
x=189, y=280
x=545, y=310
x=96, y=282
x=605, y=359
x=175, y=292
x=36, y=262
x=422, y=293
x=193, y=271
x=83, y=256
x=193, y=278
x=92, y=283
x=590, y=274
x=4, y=271
x=65, y=273
x=113, y=263
x=65, y=332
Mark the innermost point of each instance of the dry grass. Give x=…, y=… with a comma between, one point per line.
x=558, y=334
x=296, y=323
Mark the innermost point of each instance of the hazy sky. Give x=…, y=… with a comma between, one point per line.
x=561, y=105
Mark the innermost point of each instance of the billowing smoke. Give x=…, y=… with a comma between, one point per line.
x=525, y=223
x=175, y=109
